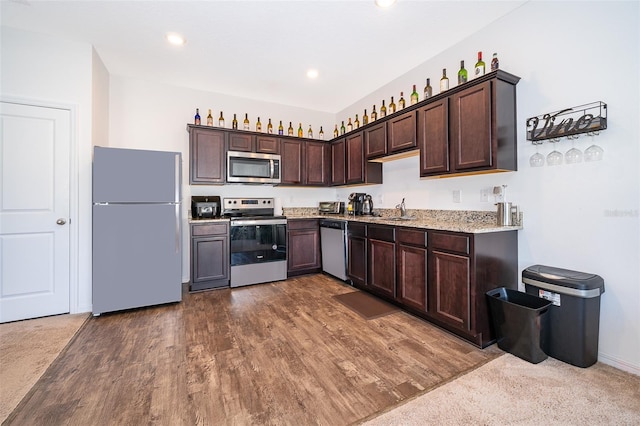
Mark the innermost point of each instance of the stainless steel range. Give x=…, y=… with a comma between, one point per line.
x=258, y=241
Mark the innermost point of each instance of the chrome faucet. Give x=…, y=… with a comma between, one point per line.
x=403, y=209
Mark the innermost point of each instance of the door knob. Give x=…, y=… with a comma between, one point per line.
x=61, y=221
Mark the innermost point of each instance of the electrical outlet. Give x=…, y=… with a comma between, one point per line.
x=484, y=195
x=457, y=196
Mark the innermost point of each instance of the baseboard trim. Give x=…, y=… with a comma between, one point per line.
x=619, y=364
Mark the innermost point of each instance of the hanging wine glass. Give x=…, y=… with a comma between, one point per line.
x=574, y=155
x=554, y=158
x=594, y=152
x=537, y=159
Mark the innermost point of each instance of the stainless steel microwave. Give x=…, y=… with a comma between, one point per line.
x=252, y=167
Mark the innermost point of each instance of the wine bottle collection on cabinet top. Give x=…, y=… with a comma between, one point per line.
x=246, y=125
x=463, y=76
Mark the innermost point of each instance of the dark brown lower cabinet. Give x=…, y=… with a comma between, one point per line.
x=450, y=281
x=357, y=250
x=210, y=262
x=303, y=246
x=381, y=276
x=411, y=257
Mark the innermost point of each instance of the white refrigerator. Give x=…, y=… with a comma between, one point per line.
x=137, y=250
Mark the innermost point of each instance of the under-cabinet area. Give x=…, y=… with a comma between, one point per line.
x=468, y=129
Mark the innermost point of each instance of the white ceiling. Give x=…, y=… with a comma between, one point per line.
x=262, y=49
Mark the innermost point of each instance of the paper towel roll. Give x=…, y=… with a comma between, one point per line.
x=277, y=206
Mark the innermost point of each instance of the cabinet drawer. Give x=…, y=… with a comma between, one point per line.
x=411, y=236
x=382, y=233
x=302, y=224
x=450, y=242
x=356, y=229
x=209, y=229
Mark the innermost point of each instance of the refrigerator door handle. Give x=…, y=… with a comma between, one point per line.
x=177, y=207
x=177, y=178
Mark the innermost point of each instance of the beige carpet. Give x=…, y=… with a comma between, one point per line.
x=510, y=391
x=27, y=348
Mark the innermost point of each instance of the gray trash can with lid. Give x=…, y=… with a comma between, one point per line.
x=574, y=315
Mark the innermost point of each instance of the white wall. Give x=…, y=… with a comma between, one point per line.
x=147, y=115
x=57, y=72
x=567, y=54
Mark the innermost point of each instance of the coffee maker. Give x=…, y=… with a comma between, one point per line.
x=356, y=203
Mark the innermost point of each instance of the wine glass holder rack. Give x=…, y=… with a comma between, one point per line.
x=570, y=123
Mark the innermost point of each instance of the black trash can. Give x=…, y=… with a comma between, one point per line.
x=520, y=323
x=574, y=316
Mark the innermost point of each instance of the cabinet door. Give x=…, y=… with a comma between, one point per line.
x=357, y=264
x=292, y=161
x=412, y=276
x=317, y=163
x=450, y=284
x=207, y=156
x=338, y=176
x=382, y=267
x=355, y=158
x=402, y=132
x=375, y=141
x=241, y=142
x=267, y=145
x=473, y=143
x=303, y=251
x=210, y=260
x=433, y=137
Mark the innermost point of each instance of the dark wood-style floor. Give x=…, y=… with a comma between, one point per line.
x=283, y=353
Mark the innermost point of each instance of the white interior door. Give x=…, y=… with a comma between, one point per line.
x=34, y=211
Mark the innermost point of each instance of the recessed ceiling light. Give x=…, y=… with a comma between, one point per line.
x=312, y=73
x=176, y=39
x=384, y=3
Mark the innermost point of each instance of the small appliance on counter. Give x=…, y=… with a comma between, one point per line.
x=367, y=205
x=331, y=207
x=205, y=206
x=356, y=202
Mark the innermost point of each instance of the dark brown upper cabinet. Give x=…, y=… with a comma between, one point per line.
x=375, y=141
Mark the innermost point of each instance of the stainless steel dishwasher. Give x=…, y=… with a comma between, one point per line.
x=333, y=241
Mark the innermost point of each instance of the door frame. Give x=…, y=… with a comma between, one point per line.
x=74, y=229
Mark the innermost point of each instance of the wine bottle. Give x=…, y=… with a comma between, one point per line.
x=349, y=125
x=290, y=130
x=335, y=132
x=280, y=129
x=342, y=129
x=365, y=118
x=234, y=123
x=245, y=123
x=221, y=120
x=414, y=96
x=356, y=123
x=462, y=74
x=383, y=110
x=374, y=114
x=310, y=132
x=209, y=119
x=392, y=106
x=321, y=133
x=196, y=118
x=428, y=90
x=258, y=125
x=479, y=66
x=494, y=62
x=270, y=127
x=300, y=131
x=401, y=102
x=444, y=81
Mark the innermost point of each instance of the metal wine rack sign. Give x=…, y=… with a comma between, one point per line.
x=569, y=123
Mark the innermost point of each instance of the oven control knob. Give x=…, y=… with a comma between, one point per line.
x=274, y=247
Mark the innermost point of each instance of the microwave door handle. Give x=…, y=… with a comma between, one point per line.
x=273, y=167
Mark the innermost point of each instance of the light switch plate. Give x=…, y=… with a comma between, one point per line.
x=457, y=196
x=484, y=195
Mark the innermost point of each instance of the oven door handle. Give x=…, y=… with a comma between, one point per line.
x=253, y=222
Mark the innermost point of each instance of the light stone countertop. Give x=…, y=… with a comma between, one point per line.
x=467, y=221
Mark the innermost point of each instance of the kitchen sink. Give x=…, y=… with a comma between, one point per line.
x=402, y=218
